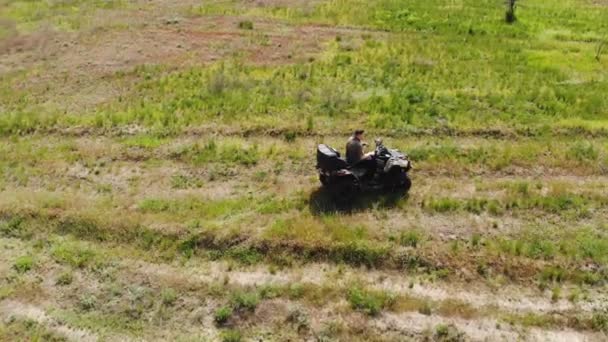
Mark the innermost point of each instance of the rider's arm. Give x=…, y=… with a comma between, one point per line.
x=367, y=155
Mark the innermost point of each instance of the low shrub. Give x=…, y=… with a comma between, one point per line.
x=369, y=302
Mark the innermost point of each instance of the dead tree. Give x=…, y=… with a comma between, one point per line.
x=510, y=15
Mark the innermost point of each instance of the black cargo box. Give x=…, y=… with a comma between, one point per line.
x=329, y=159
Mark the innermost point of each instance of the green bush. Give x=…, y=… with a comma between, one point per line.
x=23, y=264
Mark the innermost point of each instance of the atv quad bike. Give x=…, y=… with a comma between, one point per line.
x=387, y=170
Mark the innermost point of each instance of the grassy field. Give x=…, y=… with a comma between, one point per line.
x=158, y=182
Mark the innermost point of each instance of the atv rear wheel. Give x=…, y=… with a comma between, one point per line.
x=344, y=189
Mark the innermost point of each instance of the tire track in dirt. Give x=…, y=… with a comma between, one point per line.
x=11, y=308
x=514, y=299
x=481, y=329
x=217, y=129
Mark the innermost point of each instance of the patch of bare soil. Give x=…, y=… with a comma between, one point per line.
x=599, y=2
x=79, y=67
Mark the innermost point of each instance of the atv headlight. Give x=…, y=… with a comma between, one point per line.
x=401, y=162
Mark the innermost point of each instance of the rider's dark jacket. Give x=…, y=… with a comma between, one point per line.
x=354, y=150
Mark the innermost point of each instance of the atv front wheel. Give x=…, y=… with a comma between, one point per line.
x=398, y=180
x=406, y=183
x=323, y=179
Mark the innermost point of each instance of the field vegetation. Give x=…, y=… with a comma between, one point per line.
x=158, y=182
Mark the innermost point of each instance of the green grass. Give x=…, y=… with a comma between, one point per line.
x=419, y=78
x=28, y=330
x=332, y=240
x=169, y=296
x=231, y=335
x=185, y=182
x=245, y=301
x=222, y=315
x=207, y=209
x=507, y=126
x=211, y=152
x=410, y=238
x=67, y=15
x=74, y=254
x=65, y=278
x=599, y=321
x=12, y=228
x=144, y=141
x=562, y=204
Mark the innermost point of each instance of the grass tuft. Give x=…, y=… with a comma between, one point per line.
x=245, y=301
x=222, y=315
x=246, y=25
x=369, y=302
x=75, y=254
x=23, y=264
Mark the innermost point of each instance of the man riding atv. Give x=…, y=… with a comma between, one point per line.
x=355, y=155
x=383, y=168
x=354, y=148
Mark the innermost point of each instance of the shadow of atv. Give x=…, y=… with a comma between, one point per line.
x=322, y=202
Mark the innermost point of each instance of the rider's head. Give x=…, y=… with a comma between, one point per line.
x=359, y=134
